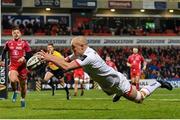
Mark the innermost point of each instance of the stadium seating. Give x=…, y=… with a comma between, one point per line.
x=58, y=29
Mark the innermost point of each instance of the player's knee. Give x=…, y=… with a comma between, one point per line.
x=81, y=81
x=76, y=80
x=46, y=78
x=134, y=95
x=23, y=86
x=13, y=78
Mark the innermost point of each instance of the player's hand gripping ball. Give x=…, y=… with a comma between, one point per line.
x=34, y=62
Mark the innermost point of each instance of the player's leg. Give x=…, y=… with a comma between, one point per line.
x=59, y=74
x=130, y=92
x=23, y=88
x=82, y=86
x=133, y=82
x=62, y=83
x=48, y=76
x=13, y=77
x=76, y=81
x=48, y=80
x=138, y=96
x=23, y=84
x=137, y=78
x=86, y=83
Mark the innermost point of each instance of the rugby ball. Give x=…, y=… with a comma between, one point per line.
x=33, y=62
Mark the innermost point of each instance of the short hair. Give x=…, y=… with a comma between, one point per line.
x=135, y=50
x=15, y=28
x=51, y=44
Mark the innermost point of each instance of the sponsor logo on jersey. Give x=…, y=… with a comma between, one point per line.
x=19, y=48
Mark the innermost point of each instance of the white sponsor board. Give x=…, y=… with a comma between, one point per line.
x=148, y=4
x=146, y=82
x=101, y=41
x=46, y=86
x=174, y=82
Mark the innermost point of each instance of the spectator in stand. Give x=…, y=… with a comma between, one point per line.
x=153, y=74
x=5, y=23
x=54, y=29
x=110, y=63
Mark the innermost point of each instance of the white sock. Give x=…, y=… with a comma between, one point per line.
x=87, y=86
x=150, y=88
x=22, y=99
x=49, y=81
x=65, y=85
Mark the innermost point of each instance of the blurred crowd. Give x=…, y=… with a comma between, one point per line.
x=162, y=62
x=38, y=28
x=95, y=27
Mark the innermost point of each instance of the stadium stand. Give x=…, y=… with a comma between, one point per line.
x=97, y=28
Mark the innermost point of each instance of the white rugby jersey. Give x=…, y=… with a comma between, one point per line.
x=97, y=69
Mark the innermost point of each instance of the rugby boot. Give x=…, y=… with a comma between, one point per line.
x=116, y=98
x=165, y=84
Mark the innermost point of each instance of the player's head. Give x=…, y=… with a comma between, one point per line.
x=135, y=50
x=50, y=48
x=79, y=45
x=16, y=33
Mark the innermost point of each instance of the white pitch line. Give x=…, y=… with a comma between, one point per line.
x=64, y=93
x=149, y=99
x=47, y=94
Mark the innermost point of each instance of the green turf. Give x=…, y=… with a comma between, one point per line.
x=94, y=104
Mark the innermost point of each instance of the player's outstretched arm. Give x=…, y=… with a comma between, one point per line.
x=61, y=62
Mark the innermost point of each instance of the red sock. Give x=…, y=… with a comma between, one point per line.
x=137, y=86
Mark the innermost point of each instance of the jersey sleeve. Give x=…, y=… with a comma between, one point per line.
x=128, y=60
x=142, y=58
x=27, y=47
x=83, y=60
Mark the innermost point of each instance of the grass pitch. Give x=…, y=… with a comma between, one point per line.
x=93, y=105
